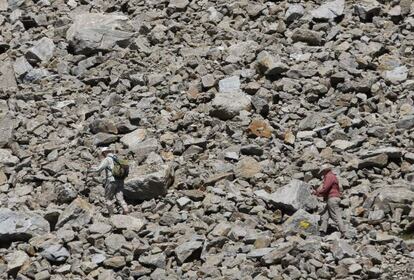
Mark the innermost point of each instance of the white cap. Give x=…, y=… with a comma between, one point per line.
x=325, y=167
x=106, y=150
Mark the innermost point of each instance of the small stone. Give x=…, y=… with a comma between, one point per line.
x=248, y=167
x=127, y=222
x=294, y=12
x=116, y=262
x=41, y=51
x=43, y=275
x=183, y=201
x=260, y=128
x=188, y=251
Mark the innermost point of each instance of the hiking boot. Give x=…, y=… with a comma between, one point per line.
x=125, y=210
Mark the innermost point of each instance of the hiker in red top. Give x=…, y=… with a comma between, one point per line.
x=331, y=193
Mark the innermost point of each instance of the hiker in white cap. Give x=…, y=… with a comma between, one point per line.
x=330, y=191
x=114, y=185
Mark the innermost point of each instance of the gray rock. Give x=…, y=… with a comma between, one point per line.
x=7, y=77
x=153, y=261
x=292, y=197
x=310, y=37
x=55, y=253
x=100, y=228
x=15, y=260
x=246, y=168
x=144, y=148
x=372, y=253
x=329, y=11
x=188, y=251
x=146, y=182
x=231, y=84
x=294, y=12
x=380, y=160
x=178, y=5
x=114, y=242
x=278, y=253
x=302, y=223
x=77, y=214
x=227, y=105
x=115, y=262
x=4, y=5
x=6, y=129
x=132, y=139
x=127, y=222
x=341, y=249
x=21, y=66
x=251, y=150
x=397, y=75
x=21, y=226
x=104, y=139
x=65, y=193
x=42, y=51
x=269, y=65
x=367, y=9
x=406, y=122
x=93, y=32
x=259, y=253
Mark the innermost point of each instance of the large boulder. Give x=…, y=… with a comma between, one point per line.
x=21, y=225
x=388, y=198
x=148, y=181
x=302, y=223
x=292, y=197
x=94, y=32
x=77, y=214
x=329, y=11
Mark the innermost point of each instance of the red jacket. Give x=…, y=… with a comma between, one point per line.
x=330, y=186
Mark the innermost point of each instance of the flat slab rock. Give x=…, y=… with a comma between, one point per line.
x=21, y=225
x=93, y=32
x=292, y=197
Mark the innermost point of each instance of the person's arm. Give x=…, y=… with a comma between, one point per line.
x=104, y=164
x=327, y=184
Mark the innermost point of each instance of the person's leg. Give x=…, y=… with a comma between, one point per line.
x=109, y=196
x=325, y=217
x=120, y=197
x=335, y=213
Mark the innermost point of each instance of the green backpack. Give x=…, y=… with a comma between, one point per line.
x=121, y=168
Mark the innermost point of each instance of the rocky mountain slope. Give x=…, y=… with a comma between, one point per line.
x=226, y=110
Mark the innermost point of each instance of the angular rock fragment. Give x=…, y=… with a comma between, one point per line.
x=367, y=9
x=294, y=12
x=127, y=222
x=310, y=37
x=227, y=105
x=188, y=251
x=94, y=32
x=7, y=78
x=329, y=10
x=77, y=214
x=56, y=253
x=146, y=182
x=42, y=51
x=301, y=222
x=21, y=226
x=292, y=197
